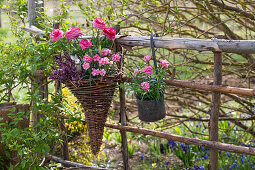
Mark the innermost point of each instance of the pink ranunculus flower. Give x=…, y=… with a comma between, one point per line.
x=87, y=58
x=103, y=61
x=147, y=58
x=96, y=57
x=56, y=35
x=164, y=63
x=116, y=57
x=98, y=23
x=95, y=72
x=86, y=66
x=148, y=70
x=73, y=33
x=110, y=33
x=102, y=72
x=145, y=86
x=85, y=43
x=136, y=71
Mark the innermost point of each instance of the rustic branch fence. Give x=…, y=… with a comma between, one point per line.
x=217, y=46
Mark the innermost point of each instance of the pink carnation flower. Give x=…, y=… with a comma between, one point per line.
x=116, y=57
x=110, y=33
x=73, y=33
x=103, y=61
x=136, y=71
x=148, y=70
x=105, y=52
x=147, y=58
x=98, y=23
x=85, y=43
x=95, y=72
x=145, y=86
x=96, y=57
x=86, y=66
x=87, y=58
x=102, y=72
x=56, y=35
x=164, y=63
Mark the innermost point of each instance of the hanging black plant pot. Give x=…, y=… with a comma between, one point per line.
x=151, y=110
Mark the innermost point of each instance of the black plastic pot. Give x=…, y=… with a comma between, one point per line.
x=151, y=110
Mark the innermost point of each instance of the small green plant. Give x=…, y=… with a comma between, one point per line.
x=131, y=148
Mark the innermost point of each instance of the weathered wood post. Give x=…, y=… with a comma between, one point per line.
x=35, y=7
x=214, y=116
x=124, y=145
x=123, y=118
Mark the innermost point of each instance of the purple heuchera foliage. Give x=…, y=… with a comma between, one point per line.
x=66, y=69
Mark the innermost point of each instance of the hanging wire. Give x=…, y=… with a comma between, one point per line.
x=153, y=52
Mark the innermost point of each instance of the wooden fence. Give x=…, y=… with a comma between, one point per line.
x=217, y=46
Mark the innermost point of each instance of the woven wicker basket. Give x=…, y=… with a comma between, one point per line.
x=95, y=97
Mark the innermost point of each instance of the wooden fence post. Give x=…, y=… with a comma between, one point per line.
x=124, y=145
x=123, y=118
x=35, y=7
x=214, y=117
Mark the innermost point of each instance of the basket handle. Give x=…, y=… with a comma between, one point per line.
x=153, y=52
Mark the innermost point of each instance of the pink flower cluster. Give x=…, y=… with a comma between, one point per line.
x=105, y=52
x=96, y=57
x=96, y=72
x=137, y=71
x=110, y=33
x=145, y=86
x=87, y=58
x=164, y=63
x=103, y=61
x=116, y=57
x=86, y=66
x=148, y=70
x=147, y=58
x=71, y=34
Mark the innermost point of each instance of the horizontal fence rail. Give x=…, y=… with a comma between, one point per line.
x=213, y=88
x=215, y=45
x=194, y=141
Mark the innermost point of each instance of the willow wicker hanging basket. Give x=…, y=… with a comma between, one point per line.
x=95, y=96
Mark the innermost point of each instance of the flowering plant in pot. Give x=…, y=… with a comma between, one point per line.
x=88, y=68
x=148, y=87
x=84, y=58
